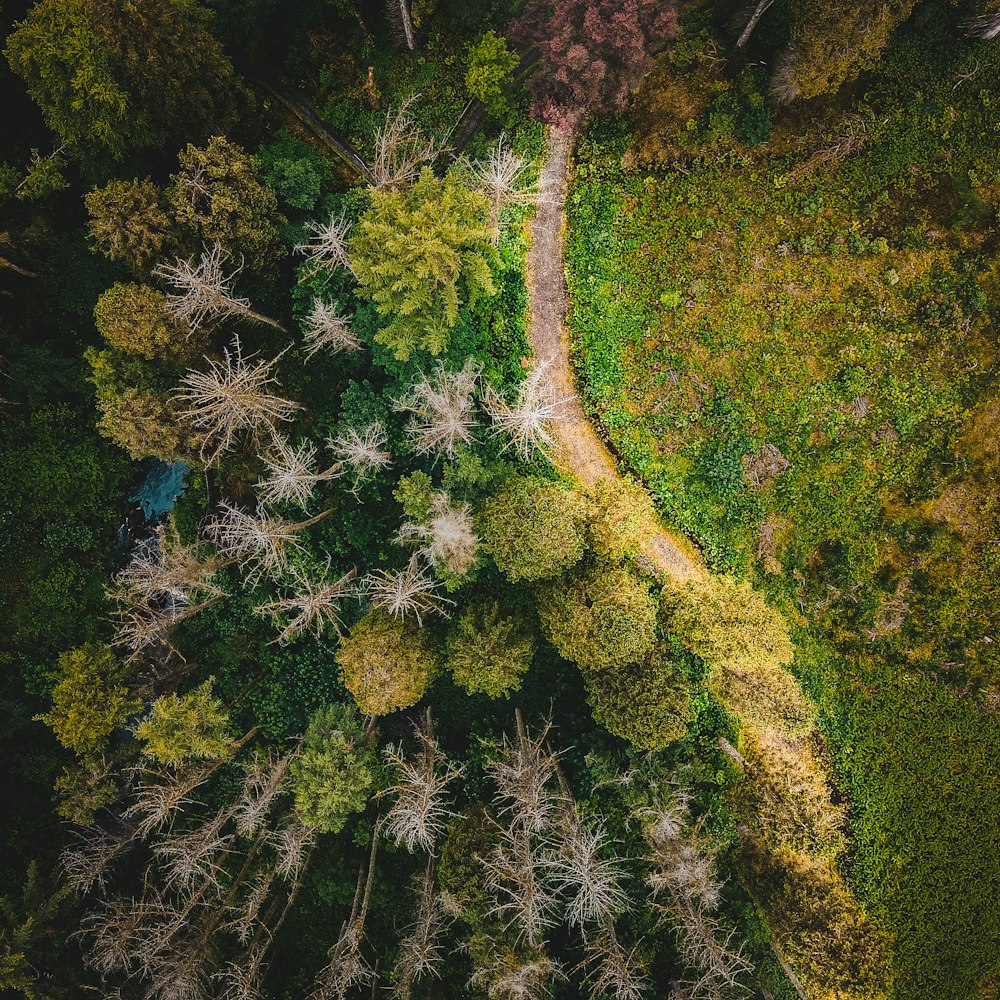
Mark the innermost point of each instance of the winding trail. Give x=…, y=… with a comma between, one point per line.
x=579, y=450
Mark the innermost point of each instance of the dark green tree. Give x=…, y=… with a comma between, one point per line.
x=647, y=703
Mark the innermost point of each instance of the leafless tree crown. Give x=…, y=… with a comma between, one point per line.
x=442, y=408
x=409, y=591
x=203, y=290
x=311, y=605
x=233, y=395
x=327, y=330
x=420, y=807
x=329, y=244
x=527, y=424
x=401, y=149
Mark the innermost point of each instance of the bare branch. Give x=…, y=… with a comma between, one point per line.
x=260, y=543
x=442, y=405
x=312, y=607
x=363, y=451
x=526, y=424
x=500, y=177
x=401, y=149
x=420, y=810
x=592, y=882
x=203, y=291
x=329, y=244
x=447, y=540
x=291, y=474
x=408, y=592
x=233, y=396
x=326, y=329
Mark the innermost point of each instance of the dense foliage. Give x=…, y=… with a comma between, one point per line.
x=330, y=670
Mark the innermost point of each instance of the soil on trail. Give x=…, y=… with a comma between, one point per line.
x=579, y=451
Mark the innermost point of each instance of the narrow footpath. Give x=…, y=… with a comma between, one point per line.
x=579, y=451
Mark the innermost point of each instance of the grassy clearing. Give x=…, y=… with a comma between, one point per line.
x=799, y=362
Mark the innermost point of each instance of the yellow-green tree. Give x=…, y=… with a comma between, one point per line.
x=336, y=770
x=726, y=622
x=488, y=652
x=134, y=318
x=386, y=663
x=185, y=727
x=832, y=42
x=419, y=254
x=91, y=699
x=601, y=618
x=533, y=529
x=647, y=703
x=218, y=196
x=130, y=223
x=114, y=75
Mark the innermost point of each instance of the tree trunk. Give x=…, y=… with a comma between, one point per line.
x=758, y=13
x=732, y=753
x=404, y=16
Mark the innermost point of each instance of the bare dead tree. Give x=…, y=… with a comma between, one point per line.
x=611, y=970
x=266, y=780
x=327, y=330
x=756, y=14
x=401, y=148
x=447, y=541
x=527, y=423
x=157, y=803
x=987, y=24
x=312, y=606
x=196, y=855
x=230, y=397
x=292, y=844
x=203, y=291
x=683, y=872
x=500, y=176
x=329, y=244
x=348, y=967
x=421, y=950
x=579, y=869
x=409, y=591
x=164, y=583
x=87, y=862
x=290, y=474
x=442, y=408
x=856, y=131
x=523, y=773
x=140, y=626
x=363, y=451
x=420, y=809
x=259, y=542
x=517, y=877
x=510, y=978
x=162, y=567
x=401, y=8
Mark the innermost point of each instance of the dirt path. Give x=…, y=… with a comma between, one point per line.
x=579, y=451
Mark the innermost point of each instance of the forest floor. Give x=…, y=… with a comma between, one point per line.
x=579, y=450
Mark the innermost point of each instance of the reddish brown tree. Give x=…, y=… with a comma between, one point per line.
x=594, y=52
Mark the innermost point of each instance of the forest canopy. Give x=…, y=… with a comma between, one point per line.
x=499, y=501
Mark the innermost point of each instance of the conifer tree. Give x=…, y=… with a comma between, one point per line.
x=418, y=255
x=532, y=528
x=91, y=699
x=184, y=727
x=386, y=663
